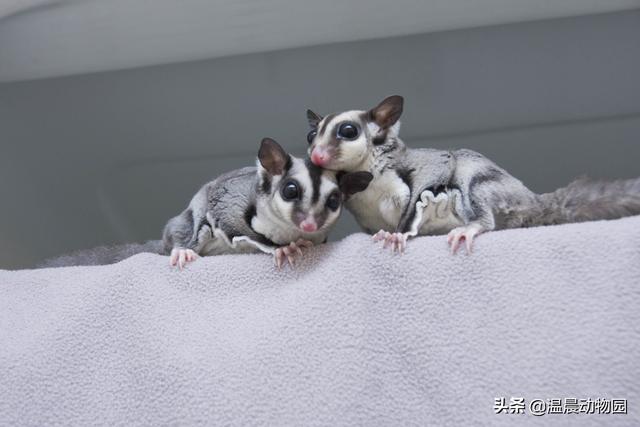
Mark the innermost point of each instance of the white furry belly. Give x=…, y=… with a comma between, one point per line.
x=380, y=206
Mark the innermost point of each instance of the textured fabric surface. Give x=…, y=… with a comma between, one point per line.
x=352, y=336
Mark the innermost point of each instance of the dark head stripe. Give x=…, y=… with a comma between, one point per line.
x=380, y=139
x=325, y=124
x=315, y=173
x=265, y=188
x=287, y=166
x=249, y=213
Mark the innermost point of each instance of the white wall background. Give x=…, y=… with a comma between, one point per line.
x=109, y=157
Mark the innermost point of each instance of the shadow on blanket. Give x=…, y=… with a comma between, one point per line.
x=354, y=335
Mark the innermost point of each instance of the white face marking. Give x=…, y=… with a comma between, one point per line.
x=300, y=176
x=279, y=219
x=348, y=155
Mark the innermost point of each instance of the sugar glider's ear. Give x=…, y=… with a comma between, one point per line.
x=272, y=157
x=313, y=119
x=354, y=182
x=387, y=113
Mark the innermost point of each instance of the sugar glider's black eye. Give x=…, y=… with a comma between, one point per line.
x=312, y=134
x=348, y=130
x=290, y=191
x=333, y=201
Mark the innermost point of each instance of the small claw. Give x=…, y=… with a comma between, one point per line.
x=279, y=258
x=180, y=257
x=378, y=236
x=396, y=241
x=468, y=233
x=468, y=240
x=288, y=252
x=455, y=242
x=296, y=248
x=403, y=243
x=387, y=239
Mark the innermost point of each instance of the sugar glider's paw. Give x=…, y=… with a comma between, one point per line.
x=466, y=233
x=290, y=252
x=397, y=241
x=181, y=256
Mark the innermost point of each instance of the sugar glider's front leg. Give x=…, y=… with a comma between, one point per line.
x=181, y=256
x=184, y=236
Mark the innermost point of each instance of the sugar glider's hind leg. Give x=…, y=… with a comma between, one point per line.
x=483, y=222
x=467, y=233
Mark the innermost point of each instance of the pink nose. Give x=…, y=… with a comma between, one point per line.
x=308, y=225
x=319, y=157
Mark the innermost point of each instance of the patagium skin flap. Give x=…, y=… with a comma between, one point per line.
x=460, y=192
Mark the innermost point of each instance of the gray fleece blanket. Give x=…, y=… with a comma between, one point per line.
x=352, y=336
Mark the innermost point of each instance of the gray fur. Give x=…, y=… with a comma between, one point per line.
x=582, y=200
x=226, y=199
x=489, y=197
x=488, y=191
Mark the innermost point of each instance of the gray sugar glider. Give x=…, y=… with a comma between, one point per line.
x=460, y=192
x=279, y=206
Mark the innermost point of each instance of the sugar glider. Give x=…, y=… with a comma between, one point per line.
x=280, y=206
x=459, y=192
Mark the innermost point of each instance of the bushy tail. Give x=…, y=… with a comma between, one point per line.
x=589, y=200
x=103, y=255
